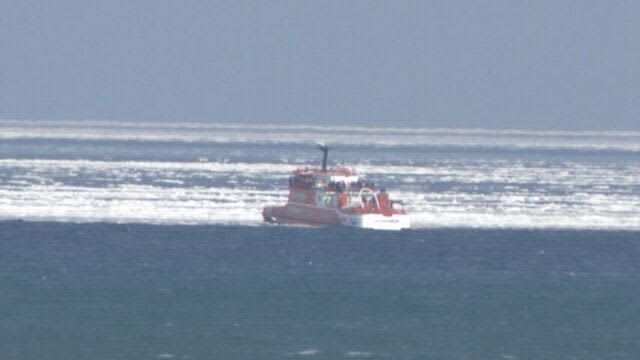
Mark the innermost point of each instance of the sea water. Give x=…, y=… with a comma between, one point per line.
x=145, y=241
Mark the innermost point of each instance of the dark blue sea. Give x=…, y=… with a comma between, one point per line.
x=146, y=241
x=124, y=291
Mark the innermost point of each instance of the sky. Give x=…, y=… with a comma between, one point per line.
x=541, y=65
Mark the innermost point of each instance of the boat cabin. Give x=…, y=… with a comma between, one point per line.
x=335, y=188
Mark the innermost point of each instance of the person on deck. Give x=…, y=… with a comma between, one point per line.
x=383, y=199
x=343, y=198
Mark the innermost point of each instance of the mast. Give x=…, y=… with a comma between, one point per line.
x=325, y=151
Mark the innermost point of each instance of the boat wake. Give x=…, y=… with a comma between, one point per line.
x=485, y=194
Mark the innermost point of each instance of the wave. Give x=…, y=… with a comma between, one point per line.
x=157, y=205
x=627, y=141
x=569, y=175
x=335, y=128
x=486, y=194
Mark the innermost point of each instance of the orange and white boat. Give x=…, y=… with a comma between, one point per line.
x=337, y=196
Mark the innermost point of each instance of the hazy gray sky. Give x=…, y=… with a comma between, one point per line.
x=480, y=64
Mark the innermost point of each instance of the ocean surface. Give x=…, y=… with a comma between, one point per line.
x=145, y=241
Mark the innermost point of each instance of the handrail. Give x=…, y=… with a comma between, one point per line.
x=374, y=195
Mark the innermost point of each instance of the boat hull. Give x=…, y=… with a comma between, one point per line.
x=378, y=221
x=302, y=214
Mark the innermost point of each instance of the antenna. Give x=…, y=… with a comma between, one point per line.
x=325, y=151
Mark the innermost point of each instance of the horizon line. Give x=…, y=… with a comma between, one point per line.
x=327, y=128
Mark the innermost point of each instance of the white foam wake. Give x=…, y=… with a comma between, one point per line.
x=489, y=194
x=136, y=203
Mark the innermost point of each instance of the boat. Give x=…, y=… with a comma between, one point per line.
x=337, y=196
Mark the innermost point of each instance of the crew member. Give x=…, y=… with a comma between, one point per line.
x=383, y=199
x=343, y=198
